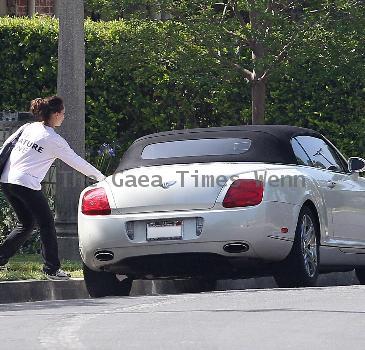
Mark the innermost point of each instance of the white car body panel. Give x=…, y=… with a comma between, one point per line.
x=259, y=226
x=177, y=192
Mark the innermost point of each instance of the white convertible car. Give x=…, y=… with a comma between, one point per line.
x=229, y=202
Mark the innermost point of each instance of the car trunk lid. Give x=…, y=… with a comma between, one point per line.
x=173, y=187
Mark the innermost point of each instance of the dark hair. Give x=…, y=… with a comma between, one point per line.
x=43, y=108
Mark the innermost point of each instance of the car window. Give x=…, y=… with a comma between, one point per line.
x=301, y=156
x=196, y=148
x=341, y=158
x=320, y=153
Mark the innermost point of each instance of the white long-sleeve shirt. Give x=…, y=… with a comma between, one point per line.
x=37, y=148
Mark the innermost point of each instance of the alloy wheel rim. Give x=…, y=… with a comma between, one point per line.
x=309, y=245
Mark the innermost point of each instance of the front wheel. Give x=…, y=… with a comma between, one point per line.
x=301, y=267
x=102, y=284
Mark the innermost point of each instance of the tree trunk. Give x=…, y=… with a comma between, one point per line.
x=258, y=87
x=31, y=8
x=71, y=87
x=258, y=95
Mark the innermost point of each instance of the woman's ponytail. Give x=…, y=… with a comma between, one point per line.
x=36, y=108
x=43, y=108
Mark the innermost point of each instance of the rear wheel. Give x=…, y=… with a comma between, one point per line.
x=360, y=274
x=102, y=284
x=301, y=267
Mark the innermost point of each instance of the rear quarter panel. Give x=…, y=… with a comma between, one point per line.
x=289, y=184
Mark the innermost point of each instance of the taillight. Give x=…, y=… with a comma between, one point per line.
x=243, y=193
x=95, y=202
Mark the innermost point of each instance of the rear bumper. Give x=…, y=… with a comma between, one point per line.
x=186, y=265
x=259, y=227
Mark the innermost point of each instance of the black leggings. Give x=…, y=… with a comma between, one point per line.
x=30, y=206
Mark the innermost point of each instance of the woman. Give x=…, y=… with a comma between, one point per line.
x=37, y=148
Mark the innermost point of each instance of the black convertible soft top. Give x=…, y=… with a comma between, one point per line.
x=270, y=144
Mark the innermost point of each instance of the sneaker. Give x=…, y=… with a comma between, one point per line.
x=4, y=268
x=58, y=275
x=4, y=264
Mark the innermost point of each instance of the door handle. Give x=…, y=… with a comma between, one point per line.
x=331, y=184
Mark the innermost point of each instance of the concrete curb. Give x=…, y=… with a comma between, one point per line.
x=24, y=291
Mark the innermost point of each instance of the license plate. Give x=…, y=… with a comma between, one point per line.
x=164, y=230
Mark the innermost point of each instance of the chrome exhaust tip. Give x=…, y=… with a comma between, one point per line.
x=236, y=247
x=104, y=255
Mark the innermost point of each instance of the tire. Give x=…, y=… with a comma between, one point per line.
x=360, y=274
x=102, y=284
x=301, y=267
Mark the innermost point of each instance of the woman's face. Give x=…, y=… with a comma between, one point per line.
x=57, y=118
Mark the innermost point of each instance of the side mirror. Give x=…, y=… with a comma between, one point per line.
x=356, y=165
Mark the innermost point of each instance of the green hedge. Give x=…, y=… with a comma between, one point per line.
x=143, y=77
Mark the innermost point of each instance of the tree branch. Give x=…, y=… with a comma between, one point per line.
x=278, y=59
x=228, y=63
x=224, y=12
x=246, y=73
x=273, y=6
x=246, y=42
x=237, y=13
x=270, y=6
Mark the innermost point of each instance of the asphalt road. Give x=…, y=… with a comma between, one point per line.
x=312, y=318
